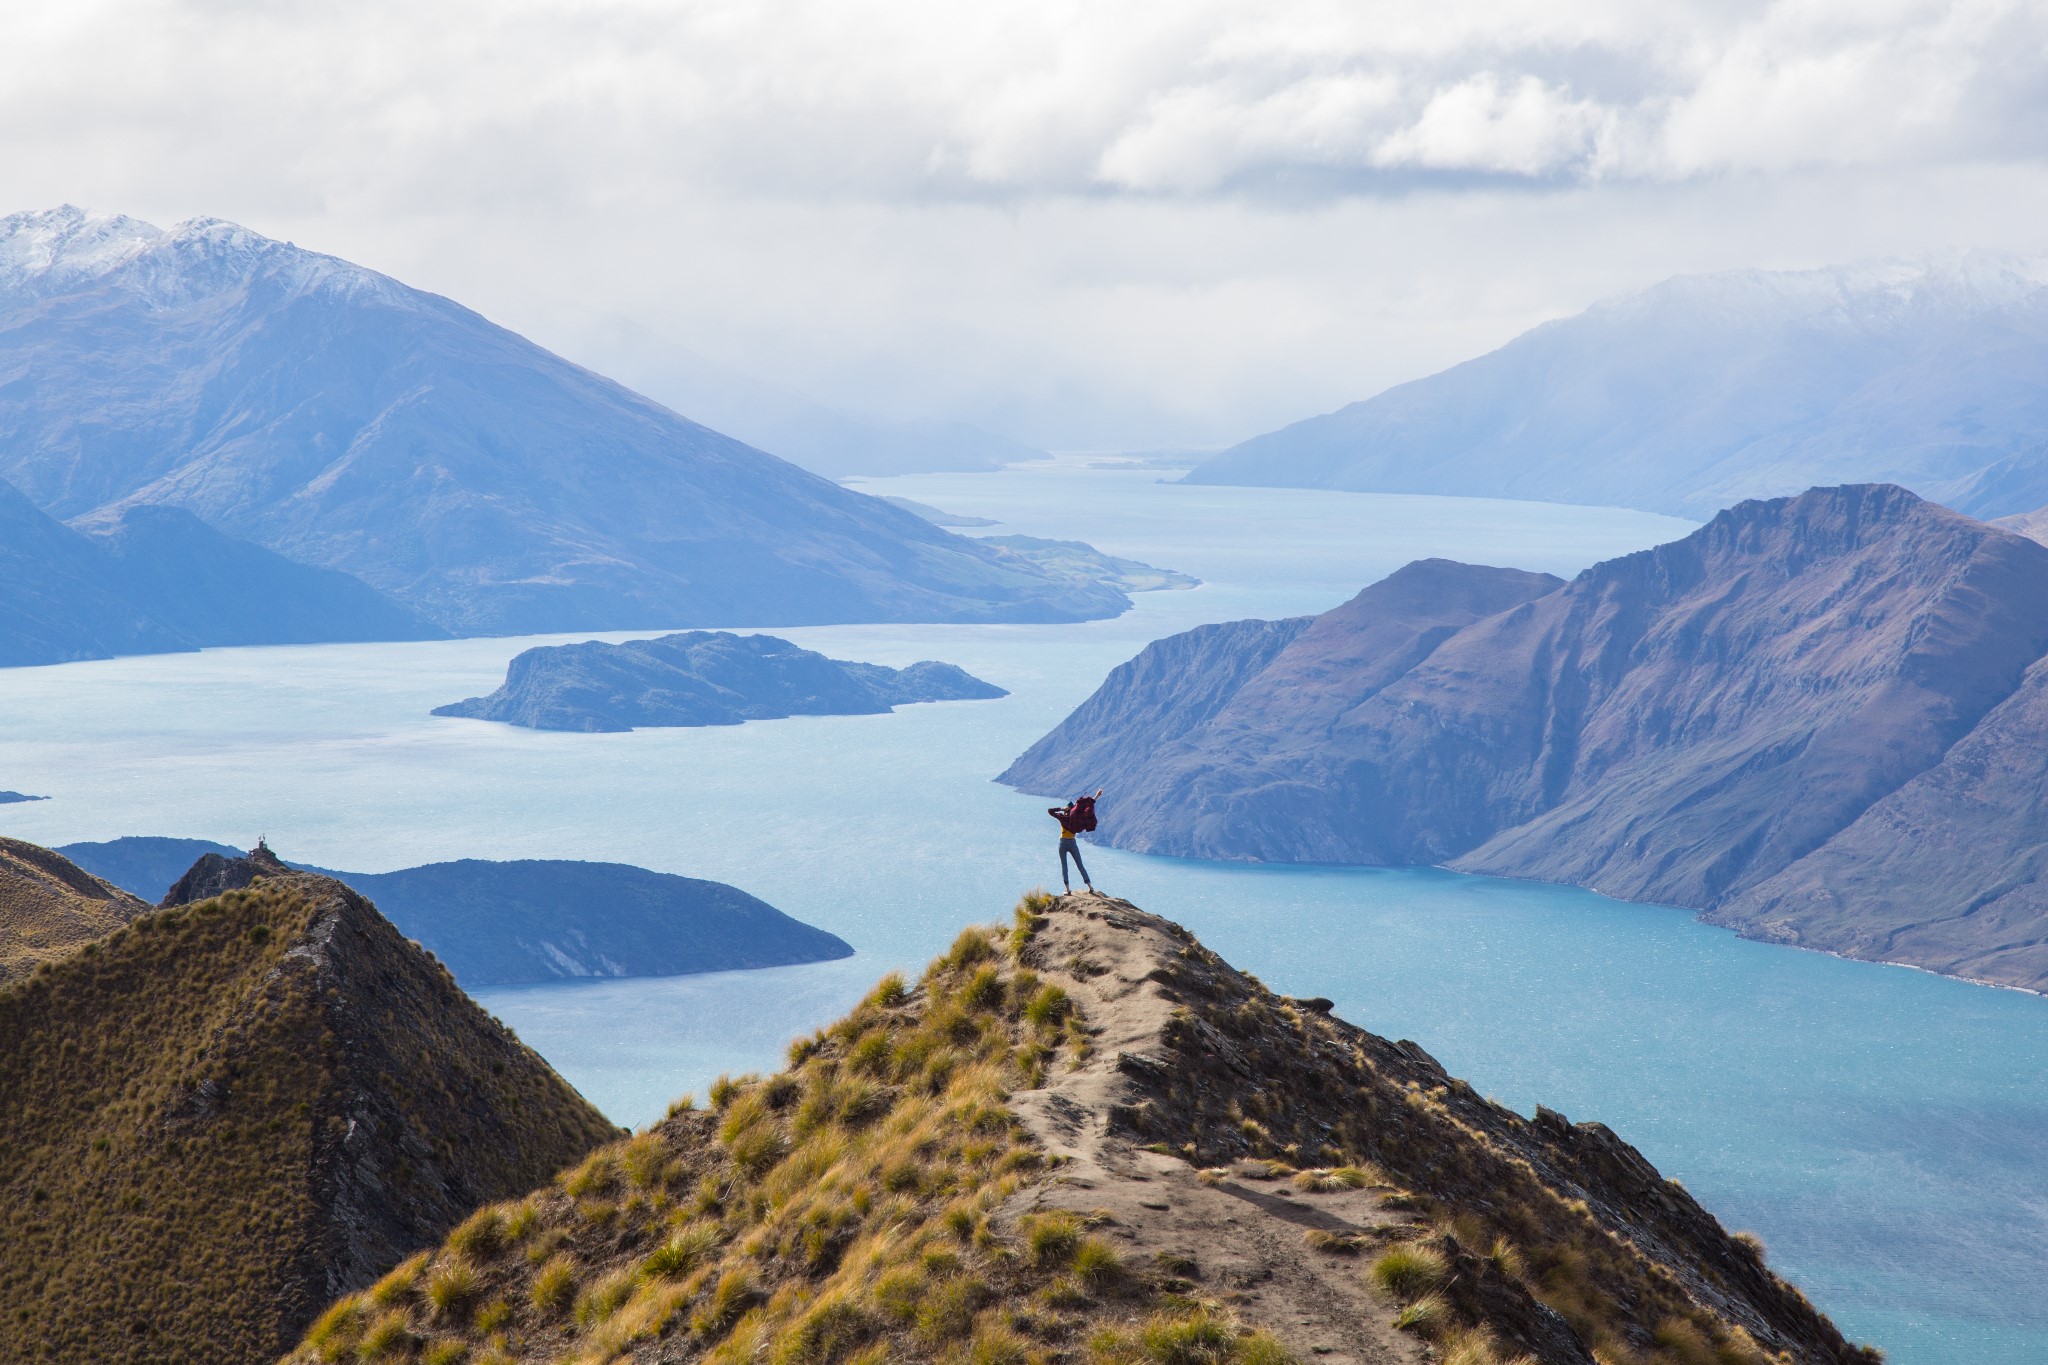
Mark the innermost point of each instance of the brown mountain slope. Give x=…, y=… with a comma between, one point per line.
x=224, y=1114
x=1703, y=724
x=1077, y=1141
x=50, y=907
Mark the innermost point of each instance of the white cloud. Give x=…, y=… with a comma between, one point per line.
x=1086, y=222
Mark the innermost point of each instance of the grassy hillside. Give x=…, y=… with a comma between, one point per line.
x=845, y=1208
x=223, y=1115
x=49, y=907
x=1085, y=1139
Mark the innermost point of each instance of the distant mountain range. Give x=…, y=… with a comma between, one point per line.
x=1822, y=720
x=155, y=579
x=344, y=420
x=703, y=677
x=512, y=923
x=783, y=421
x=1706, y=390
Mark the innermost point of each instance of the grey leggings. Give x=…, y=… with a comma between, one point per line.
x=1071, y=849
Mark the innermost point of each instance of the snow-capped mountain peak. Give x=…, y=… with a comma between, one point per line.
x=53, y=251
x=63, y=246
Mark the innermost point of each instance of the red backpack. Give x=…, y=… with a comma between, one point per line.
x=1084, y=813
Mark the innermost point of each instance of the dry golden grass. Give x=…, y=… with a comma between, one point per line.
x=51, y=908
x=176, y=1104
x=841, y=1211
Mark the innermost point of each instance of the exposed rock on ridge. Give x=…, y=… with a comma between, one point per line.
x=1198, y=1058
x=1815, y=718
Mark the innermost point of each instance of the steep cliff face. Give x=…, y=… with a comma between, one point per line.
x=50, y=907
x=1088, y=1138
x=1218, y=742
x=224, y=1114
x=1737, y=721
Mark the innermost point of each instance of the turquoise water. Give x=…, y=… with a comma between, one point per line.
x=1882, y=1129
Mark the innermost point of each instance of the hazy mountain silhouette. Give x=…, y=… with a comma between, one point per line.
x=1709, y=389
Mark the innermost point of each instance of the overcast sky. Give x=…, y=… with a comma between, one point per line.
x=1098, y=226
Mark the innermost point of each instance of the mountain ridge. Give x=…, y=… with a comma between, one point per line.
x=222, y=1115
x=1088, y=1137
x=1725, y=723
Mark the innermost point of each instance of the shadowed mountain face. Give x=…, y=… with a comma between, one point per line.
x=513, y=923
x=1709, y=389
x=703, y=678
x=62, y=598
x=151, y=580
x=1815, y=718
x=217, y=590
x=342, y=419
x=223, y=1115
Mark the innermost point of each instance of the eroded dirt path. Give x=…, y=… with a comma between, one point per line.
x=1247, y=1238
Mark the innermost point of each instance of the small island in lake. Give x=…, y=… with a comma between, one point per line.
x=703, y=677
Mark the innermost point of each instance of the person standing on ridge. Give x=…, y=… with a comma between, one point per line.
x=1076, y=817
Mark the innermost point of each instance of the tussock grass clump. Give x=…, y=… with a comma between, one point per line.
x=1097, y=1265
x=400, y=1284
x=554, y=1287
x=1334, y=1243
x=844, y=1212
x=1051, y=1238
x=481, y=1236
x=1201, y=1337
x=1408, y=1272
x=452, y=1288
x=1428, y=1316
x=1331, y=1180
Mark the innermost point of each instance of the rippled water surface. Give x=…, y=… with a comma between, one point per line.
x=1885, y=1131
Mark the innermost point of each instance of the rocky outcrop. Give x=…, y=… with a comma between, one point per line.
x=50, y=907
x=1816, y=718
x=1199, y=1062
x=703, y=678
x=226, y=1113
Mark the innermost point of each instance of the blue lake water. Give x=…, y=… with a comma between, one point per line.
x=1885, y=1131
